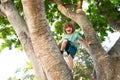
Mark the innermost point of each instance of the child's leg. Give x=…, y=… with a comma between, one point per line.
x=70, y=62
x=63, y=45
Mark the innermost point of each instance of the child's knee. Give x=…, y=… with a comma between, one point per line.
x=65, y=41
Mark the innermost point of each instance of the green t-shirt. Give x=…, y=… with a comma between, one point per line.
x=73, y=38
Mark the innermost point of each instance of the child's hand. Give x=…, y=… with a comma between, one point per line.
x=89, y=43
x=86, y=45
x=84, y=42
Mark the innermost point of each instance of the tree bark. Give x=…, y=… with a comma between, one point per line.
x=104, y=65
x=43, y=43
x=41, y=48
x=22, y=32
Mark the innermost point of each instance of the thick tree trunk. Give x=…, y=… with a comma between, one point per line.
x=39, y=45
x=41, y=48
x=21, y=30
x=107, y=69
x=44, y=45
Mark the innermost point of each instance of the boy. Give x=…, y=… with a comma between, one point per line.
x=70, y=41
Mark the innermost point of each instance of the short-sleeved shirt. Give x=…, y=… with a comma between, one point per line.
x=73, y=38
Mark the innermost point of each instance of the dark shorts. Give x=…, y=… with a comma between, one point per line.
x=70, y=49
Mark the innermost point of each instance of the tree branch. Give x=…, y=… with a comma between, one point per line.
x=21, y=29
x=2, y=2
x=15, y=18
x=70, y=6
x=2, y=11
x=51, y=0
x=115, y=50
x=115, y=24
x=90, y=35
x=79, y=5
x=58, y=2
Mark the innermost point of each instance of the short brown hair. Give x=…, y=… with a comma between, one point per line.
x=66, y=25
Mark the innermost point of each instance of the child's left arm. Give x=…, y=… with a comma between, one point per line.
x=86, y=45
x=84, y=42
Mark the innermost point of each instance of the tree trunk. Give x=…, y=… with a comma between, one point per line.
x=41, y=48
x=46, y=50
x=37, y=40
x=21, y=30
x=106, y=67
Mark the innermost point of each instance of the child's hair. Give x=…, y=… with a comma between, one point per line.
x=66, y=25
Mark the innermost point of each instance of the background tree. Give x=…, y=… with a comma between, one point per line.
x=34, y=34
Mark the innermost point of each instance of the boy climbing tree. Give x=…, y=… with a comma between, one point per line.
x=70, y=41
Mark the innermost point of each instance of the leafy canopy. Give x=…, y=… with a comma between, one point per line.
x=8, y=37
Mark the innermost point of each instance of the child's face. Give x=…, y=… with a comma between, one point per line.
x=68, y=30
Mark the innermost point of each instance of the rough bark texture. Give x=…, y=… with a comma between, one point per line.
x=21, y=30
x=43, y=43
x=41, y=48
x=105, y=65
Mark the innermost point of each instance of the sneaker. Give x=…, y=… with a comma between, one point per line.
x=61, y=52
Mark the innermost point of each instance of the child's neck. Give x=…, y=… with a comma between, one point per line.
x=69, y=33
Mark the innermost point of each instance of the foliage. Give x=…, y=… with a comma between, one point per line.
x=18, y=5
x=99, y=22
x=8, y=37
x=56, y=19
x=83, y=65
x=24, y=73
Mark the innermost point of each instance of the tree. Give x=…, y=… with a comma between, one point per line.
x=34, y=34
